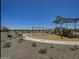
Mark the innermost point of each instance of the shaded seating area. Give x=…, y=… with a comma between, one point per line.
x=65, y=31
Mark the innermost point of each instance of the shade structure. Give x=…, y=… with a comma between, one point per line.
x=60, y=19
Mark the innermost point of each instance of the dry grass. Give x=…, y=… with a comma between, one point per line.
x=52, y=37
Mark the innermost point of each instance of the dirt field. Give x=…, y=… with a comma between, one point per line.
x=35, y=50
x=52, y=37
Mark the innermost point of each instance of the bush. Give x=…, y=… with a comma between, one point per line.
x=7, y=44
x=72, y=49
x=43, y=51
x=76, y=47
x=20, y=40
x=19, y=35
x=52, y=47
x=9, y=36
x=34, y=44
x=51, y=58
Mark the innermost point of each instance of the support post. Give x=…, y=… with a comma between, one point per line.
x=61, y=30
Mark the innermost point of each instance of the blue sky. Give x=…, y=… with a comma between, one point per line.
x=37, y=13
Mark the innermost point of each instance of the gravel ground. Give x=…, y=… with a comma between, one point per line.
x=26, y=50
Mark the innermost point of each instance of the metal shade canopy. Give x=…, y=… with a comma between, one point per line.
x=60, y=19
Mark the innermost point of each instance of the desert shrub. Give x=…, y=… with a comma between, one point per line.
x=51, y=58
x=9, y=36
x=51, y=47
x=19, y=35
x=75, y=47
x=7, y=44
x=72, y=49
x=34, y=44
x=20, y=40
x=43, y=51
